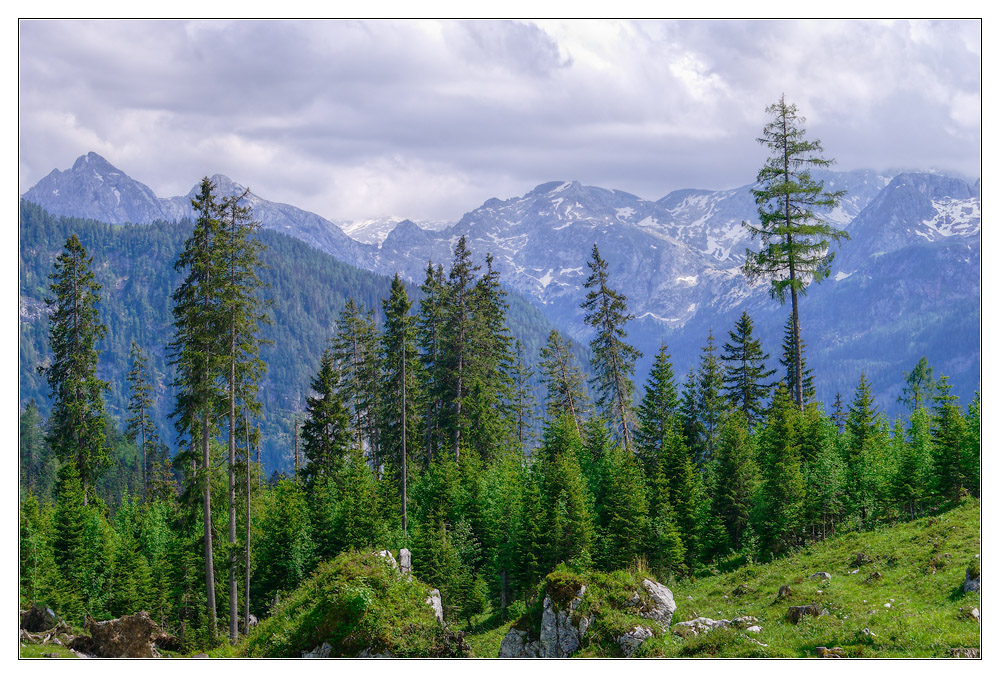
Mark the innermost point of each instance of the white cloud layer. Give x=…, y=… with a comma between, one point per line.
x=428, y=119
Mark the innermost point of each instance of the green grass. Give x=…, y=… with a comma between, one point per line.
x=921, y=567
x=33, y=651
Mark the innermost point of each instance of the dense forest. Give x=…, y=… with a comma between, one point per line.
x=419, y=431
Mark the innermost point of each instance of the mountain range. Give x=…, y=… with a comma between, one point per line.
x=906, y=284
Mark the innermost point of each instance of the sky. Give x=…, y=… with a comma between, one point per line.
x=428, y=119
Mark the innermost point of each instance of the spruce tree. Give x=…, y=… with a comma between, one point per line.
x=242, y=312
x=401, y=380
x=745, y=374
x=795, y=240
x=711, y=404
x=779, y=505
x=613, y=359
x=735, y=478
x=326, y=436
x=140, y=428
x=355, y=351
x=430, y=327
x=860, y=429
x=196, y=353
x=919, y=388
x=794, y=363
x=839, y=416
x=951, y=470
x=523, y=404
x=562, y=379
x=658, y=410
x=623, y=512
x=77, y=423
x=456, y=340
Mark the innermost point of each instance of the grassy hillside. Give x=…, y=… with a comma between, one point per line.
x=920, y=570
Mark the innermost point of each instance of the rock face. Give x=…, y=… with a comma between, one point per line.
x=558, y=636
x=129, y=636
x=434, y=600
x=319, y=652
x=631, y=641
x=662, y=606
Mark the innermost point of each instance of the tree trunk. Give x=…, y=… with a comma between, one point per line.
x=233, y=591
x=404, y=434
x=206, y=502
x=246, y=583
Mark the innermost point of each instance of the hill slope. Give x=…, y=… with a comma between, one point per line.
x=909, y=597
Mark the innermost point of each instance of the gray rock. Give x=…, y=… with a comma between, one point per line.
x=753, y=629
x=38, y=619
x=796, y=612
x=558, y=636
x=404, y=561
x=368, y=654
x=389, y=558
x=434, y=600
x=698, y=626
x=662, y=605
x=319, y=652
x=630, y=641
x=825, y=576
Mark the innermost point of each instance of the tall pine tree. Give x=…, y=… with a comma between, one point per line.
x=795, y=241
x=745, y=375
x=77, y=423
x=614, y=359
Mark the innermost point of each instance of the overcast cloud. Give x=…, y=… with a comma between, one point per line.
x=427, y=120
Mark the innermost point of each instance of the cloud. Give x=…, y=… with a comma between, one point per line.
x=427, y=119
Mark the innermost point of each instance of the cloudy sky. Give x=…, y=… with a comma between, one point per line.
x=427, y=120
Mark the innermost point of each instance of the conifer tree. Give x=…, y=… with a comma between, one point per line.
x=839, y=416
x=355, y=351
x=711, y=404
x=460, y=299
x=860, y=430
x=680, y=480
x=523, y=404
x=919, y=388
x=613, y=359
x=972, y=450
x=913, y=473
x=562, y=379
x=794, y=363
x=242, y=312
x=624, y=511
x=488, y=368
x=745, y=374
x=569, y=521
x=658, y=410
x=77, y=423
x=140, y=428
x=38, y=463
x=530, y=541
x=779, y=505
x=951, y=470
x=736, y=477
x=196, y=353
x=795, y=240
x=666, y=545
x=689, y=415
x=430, y=324
x=326, y=436
x=400, y=420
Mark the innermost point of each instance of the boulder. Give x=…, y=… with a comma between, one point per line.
x=661, y=606
x=700, y=625
x=797, y=612
x=784, y=591
x=631, y=640
x=434, y=600
x=319, y=652
x=558, y=636
x=38, y=619
x=825, y=576
x=405, y=566
x=129, y=636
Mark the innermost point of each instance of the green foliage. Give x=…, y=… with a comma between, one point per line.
x=326, y=436
x=284, y=551
x=606, y=311
x=356, y=602
x=563, y=381
x=76, y=427
x=735, y=478
x=745, y=374
x=657, y=411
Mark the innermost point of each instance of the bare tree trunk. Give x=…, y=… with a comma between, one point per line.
x=206, y=503
x=404, y=434
x=246, y=583
x=234, y=633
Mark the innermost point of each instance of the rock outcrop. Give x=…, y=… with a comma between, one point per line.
x=972, y=579
x=661, y=605
x=630, y=641
x=38, y=619
x=701, y=625
x=434, y=600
